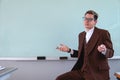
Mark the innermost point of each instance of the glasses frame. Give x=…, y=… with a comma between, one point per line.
x=88, y=19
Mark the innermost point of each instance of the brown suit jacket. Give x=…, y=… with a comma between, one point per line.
x=97, y=63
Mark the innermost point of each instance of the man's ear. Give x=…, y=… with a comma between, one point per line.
x=95, y=21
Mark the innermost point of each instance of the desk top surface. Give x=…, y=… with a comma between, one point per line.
x=117, y=74
x=7, y=70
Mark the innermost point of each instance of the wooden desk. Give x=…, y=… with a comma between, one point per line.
x=117, y=75
x=5, y=73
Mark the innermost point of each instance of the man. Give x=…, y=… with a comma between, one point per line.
x=94, y=49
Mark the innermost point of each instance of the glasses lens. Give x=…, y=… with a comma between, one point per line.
x=88, y=19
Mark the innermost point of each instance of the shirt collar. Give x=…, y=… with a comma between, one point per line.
x=91, y=30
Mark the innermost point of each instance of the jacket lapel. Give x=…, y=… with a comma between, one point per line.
x=93, y=40
x=81, y=42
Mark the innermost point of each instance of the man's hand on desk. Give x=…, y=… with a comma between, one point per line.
x=117, y=75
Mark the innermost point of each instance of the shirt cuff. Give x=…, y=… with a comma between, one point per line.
x=104, y=52
x=71, y=52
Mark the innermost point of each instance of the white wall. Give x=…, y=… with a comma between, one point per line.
x=47, y=69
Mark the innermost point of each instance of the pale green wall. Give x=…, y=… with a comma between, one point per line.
x=35, y=27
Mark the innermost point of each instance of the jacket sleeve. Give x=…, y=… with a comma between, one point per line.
x=109, y=46
x=75, y=53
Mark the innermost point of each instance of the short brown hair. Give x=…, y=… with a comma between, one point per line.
x=93, y=13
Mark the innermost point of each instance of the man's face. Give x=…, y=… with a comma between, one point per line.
x=89, y=21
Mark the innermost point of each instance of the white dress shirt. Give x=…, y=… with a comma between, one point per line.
x=89, y=34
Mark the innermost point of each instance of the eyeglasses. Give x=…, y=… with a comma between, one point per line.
x=88, y=19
